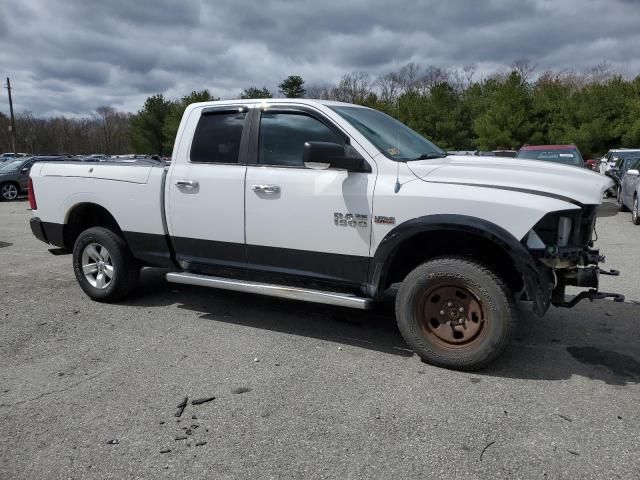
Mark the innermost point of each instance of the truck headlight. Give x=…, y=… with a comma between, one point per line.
x=564, y=231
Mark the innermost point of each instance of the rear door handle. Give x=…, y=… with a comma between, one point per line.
x=269, y=189
x=187, y=183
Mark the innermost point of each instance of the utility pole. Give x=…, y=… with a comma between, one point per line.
x=13, y=120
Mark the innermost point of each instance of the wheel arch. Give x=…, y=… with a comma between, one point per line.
x=86, y=215
x=415, y=241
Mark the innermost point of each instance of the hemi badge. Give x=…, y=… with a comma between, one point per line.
x=384, y=220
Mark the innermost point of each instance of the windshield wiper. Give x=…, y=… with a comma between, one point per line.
x=429, y=156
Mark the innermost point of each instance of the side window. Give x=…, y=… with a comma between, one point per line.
x=217, y=137
x=283, y=135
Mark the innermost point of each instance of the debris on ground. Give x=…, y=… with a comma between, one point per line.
x=572, y=452
x=181, y=406
x=199, y=401
x=199, y=444
x=113, y=442
x=256, y=360
x=165, y=450
x=485, y=449
x=193, y=417
x=564, y=417
x=240, y=390
x=181, y=437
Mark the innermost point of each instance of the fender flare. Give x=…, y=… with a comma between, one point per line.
x=538, y=279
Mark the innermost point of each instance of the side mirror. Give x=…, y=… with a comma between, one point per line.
x=323, y=155
x=24, y=170
x=633, y=172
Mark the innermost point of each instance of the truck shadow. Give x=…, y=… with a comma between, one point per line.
x=597, y=340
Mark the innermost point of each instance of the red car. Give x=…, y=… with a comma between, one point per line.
x=592, y=164
x=565, y=154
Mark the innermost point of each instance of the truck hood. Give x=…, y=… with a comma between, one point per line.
x=573, y=184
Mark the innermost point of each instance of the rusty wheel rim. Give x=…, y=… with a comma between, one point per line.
x=452, y=315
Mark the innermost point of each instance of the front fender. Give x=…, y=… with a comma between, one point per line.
x=537, y=279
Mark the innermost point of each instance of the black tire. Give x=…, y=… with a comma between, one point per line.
x=635, y=213
x=9, y=191
x=125, y=270
x=490, y=313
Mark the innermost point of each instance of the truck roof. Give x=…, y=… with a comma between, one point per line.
x=253, y=101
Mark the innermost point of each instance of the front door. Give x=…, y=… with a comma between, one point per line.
x=205, y=200
x=299, y=221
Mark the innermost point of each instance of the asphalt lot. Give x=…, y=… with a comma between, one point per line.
x=89, y=390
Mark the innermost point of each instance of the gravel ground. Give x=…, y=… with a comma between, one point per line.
x=90, y=390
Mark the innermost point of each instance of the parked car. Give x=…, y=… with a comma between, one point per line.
x=592, y=164
x=565, y=154
x=14, y=175
x=505, y=153
x=630, y=191
x=619, y=169
x=612, y=156
x=7, y=156
x=332, y=203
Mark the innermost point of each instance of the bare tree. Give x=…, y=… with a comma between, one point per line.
x=353, y=88
x=319, y=91
x=408, y=77
x=524, y=67
x=433, y=76
x=388, y=86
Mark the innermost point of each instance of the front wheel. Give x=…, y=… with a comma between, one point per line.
x=635, y=215
x=455, y=313
x=103, y=265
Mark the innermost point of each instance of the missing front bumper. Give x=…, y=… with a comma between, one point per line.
x=591, y=295
x=583, y=277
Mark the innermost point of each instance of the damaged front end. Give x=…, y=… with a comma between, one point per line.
x=562, y=244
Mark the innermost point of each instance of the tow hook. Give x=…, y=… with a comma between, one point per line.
x=592, y=295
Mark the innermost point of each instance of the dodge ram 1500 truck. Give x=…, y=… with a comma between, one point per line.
x=333, y=203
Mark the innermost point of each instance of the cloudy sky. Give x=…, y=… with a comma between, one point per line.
x=69, y=56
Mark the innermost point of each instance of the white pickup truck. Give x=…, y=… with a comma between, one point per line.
x=333, y=203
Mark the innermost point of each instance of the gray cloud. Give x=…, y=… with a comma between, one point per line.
x=69, y=57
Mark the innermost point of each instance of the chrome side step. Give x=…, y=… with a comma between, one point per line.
x=272, y=290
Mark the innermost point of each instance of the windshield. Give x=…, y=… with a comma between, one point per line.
x=393, y=138
x=11, y=165
x=567, y=157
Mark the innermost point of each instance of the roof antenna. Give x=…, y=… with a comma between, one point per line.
x=396, y=189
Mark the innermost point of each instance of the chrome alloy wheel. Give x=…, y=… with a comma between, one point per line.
x=9, y=191
x=97, y=265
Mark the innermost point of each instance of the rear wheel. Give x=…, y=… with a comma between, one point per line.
x=103, y=265
x=9, y=191
x=455, y=313
x=635, y=215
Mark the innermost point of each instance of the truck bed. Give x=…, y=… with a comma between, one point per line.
x=132, y=193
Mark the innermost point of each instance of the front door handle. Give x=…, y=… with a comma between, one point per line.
x=187, y=183
x=269, y=189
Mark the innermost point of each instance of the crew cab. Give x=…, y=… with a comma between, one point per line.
x=333, y=203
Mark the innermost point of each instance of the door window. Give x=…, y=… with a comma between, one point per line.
x=217, y=137
x=283, y=135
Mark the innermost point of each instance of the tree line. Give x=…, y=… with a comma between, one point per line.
x=597, y=110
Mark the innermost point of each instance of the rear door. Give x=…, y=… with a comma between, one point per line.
x=301, y=221
x=205, y=195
